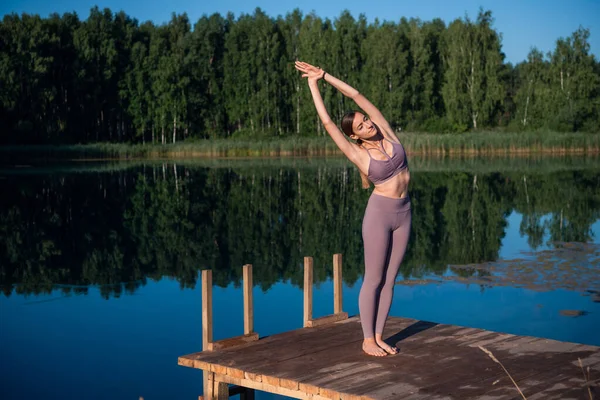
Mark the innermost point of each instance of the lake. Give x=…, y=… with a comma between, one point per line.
x=100, y=262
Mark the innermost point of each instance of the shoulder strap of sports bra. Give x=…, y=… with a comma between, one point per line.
x=382, y=150
x=367, y=149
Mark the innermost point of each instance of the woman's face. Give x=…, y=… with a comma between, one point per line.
x=363, y=127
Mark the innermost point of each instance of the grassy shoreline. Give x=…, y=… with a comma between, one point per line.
x=422, y=144
x=530, y=165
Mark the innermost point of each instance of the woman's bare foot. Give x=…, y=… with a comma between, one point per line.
x=371, y=348
x=384, y=346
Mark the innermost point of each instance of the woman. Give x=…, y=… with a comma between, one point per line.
x=381, y=158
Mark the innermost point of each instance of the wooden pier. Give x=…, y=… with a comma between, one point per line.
x=324, y=360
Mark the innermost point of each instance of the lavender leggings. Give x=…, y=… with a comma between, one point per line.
x=385, y=230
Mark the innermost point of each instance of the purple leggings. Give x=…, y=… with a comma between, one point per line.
x=385, y=230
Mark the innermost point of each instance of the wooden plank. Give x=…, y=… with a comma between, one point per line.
x=248, y=300
x=429, y=362
x=564, y=370
x=232, y=342
x=430, y=367
x=336, y=383
x=235, y=372
x=592, y=360
x=308, y=289
x=328, y=319
x=345, y=396
x=253, y=363
x=287, y=375
x=342, y=347
x=337, y=283
x=265, y=387
x=185, y=362
x=274, y=348
x=560, y=391
x=462, y=378
x=557, y=382
x=325, y=359
x=471, y=365
x=333, y=385
x=393, y=390
x=490, y=341
x=521, y=364
x=218, y=369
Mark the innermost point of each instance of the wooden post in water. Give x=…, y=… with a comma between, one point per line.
x=248, y=304
x=337, y=283
x=207, y=331
x=308, y=282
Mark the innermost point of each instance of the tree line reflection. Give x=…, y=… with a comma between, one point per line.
x=117, y=229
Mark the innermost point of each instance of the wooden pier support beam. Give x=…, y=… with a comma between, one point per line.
x=337, y=283
x=207, y=332
x=308, y=284
x=248, y=303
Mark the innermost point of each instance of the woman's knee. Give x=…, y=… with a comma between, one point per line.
x=373, y=284
x=388, y=285
x=371, y=287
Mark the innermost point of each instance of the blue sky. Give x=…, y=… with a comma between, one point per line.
x=522, y=23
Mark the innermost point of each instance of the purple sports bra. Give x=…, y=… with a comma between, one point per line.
x=382, y=170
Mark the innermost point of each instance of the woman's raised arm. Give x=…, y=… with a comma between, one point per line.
x=361, y=101
x=314, y=74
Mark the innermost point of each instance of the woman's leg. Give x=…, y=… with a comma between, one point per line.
x=376, y=232
x=398, y=246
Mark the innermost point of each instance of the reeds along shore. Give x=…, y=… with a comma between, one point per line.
x=424, y=144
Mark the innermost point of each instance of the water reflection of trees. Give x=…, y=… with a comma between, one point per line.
x=117, y=229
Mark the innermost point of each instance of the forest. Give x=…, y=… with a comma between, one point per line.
x=111, y=79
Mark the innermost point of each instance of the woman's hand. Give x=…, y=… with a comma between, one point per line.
x=309, y=71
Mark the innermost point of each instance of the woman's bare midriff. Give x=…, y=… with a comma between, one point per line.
x=396, y=187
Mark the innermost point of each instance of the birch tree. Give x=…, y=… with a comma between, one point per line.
x=472, y=91
x=532, y=93
x=575, y=83
x=385, y=70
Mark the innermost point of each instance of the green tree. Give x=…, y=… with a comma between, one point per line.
x=348, y=62
x=386, y=71
x=290, y=91
x=205, y=57
x=532, y=95
x=472, y=91
x=575, y=84
x=315, y=45
x=424, y=105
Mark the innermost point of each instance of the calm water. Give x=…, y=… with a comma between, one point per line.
x=99, y=264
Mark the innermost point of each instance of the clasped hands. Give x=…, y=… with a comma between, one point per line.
x=310, y=71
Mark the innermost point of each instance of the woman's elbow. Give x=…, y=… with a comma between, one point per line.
x=330, y=125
